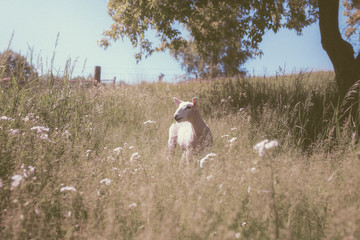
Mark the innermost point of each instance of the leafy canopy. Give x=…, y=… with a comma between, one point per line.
x=221, y=33
x=352, y=12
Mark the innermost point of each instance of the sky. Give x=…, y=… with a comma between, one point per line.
x=76, y=26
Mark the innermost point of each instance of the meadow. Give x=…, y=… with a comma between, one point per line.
x=83, y=163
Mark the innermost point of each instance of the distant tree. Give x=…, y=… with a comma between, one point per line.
x=212, y=65
x=231, y=29
x=13, y=64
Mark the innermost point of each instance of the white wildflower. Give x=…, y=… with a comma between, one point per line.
x=261, y=144
x=233, y=129
x=264, y=145
x=241, y=109
x=14, y=131
x=40, y=129
x=237, y=235
x=31, y=169
x=149, y=122
x=106, y=181
x=27, y=172
x=21, y=217
x=66, y=134
x=26, y=119
x=271, y=144
x=69, y=214
x=5, y=118
x=221, y=185
x=209, y=177
x=118, y=150
x=16, y=179
x=67, y=188
x=131, y=147
x=249, y=189
x=206, y=158
x=44, y=136
x=243, y=224
x=225, y=136
x=232, y=140
x=260, y=147
x=134, y=156
x=133, y=205
x=253, y=169
x=87, y=153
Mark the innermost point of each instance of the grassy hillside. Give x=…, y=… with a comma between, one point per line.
x=79, y=163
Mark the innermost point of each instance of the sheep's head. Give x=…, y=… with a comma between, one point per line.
x=185, y=109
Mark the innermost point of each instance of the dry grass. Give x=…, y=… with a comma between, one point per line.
x=286, y=194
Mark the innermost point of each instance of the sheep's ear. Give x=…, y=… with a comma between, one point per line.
x=177, y=101
x=194, y=100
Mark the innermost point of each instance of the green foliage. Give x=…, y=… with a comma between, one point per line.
x=352, y=12
x=222, y=34
x=100, y=172
x=15, y=66
x=212, y=66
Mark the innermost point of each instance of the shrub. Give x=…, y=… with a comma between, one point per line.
x=15, y=66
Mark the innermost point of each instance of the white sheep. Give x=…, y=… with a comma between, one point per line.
x=189, y=131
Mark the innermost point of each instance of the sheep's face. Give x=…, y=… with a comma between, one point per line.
x=184, y=110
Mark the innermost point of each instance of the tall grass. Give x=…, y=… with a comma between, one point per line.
x=99, y=172
x=299, y=109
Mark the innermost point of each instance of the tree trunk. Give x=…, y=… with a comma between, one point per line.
x=340, y=52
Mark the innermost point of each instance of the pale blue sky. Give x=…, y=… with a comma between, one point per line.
x=80, y=24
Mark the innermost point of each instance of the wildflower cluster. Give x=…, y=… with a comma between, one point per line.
x=265, y=145
x=149, y=122
x=208, y=157
x=67, y=188
x=42, y=132
x=5, y=118
x=16, y=179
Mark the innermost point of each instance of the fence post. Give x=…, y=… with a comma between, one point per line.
x=97, y=75
x=114, y=81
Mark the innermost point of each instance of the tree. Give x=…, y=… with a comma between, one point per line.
x=229, y=29
x=15, y=65
x=340, y=52
x=223, y=64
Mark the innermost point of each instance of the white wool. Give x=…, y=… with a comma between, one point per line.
x=190, y=131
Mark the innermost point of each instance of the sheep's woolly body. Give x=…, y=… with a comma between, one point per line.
x=189, y=131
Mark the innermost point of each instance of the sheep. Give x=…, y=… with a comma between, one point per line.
x=189, y=131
